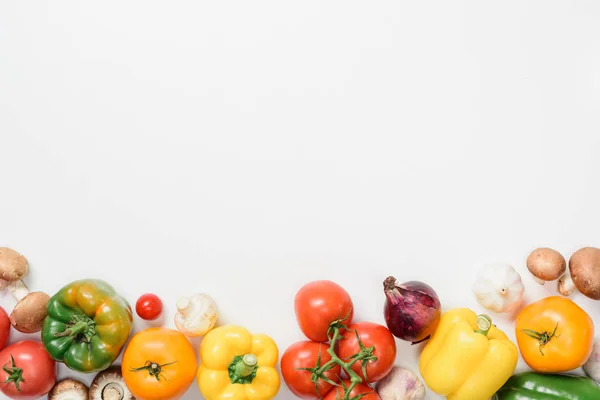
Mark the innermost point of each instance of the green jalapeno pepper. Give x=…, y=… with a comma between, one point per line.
x=87, y=325
x=536, y=386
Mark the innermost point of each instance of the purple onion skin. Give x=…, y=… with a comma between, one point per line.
x=412, y=309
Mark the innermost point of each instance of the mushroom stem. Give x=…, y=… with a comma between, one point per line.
x=538, y=280
x=184, y=306
x=18, y=289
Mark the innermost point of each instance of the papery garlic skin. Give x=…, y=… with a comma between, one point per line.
x=196, y=315
x=592, y=365
x=401, y=384
x=498, y=287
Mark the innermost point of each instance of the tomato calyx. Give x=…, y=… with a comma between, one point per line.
x=243, y=369
x=543, y=338
x=154, y=369
x=364, y=356
x=81, y=327
x=15, y=374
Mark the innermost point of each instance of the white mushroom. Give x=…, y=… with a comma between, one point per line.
x=69, y=389
x=109, y=385
x=196, y=315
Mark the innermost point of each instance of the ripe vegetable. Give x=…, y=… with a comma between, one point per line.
x=384, y=349
x=308, y=354
x=554, y=335
x=69, y=389
x=318, y=304
x=87, y=325
x=4, y=328
x=467, y=357
x=29, y=313
x=412, y=309
x=360, y=391
x=584, y=266
x=498, y=287
x=148, y=307
x=534, y=386
x=159, y=364
x=238, y=365
x=27, y=371
x=546, y=264
x=109, y=384
x=592, y=365
x=196, y=315
x=401, y=384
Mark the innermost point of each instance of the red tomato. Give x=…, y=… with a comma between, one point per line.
x=32, y=373
x=318, y=304
x=4, y=328
x=306, y=355
x=149, y=306
x=370, y=334
x=361, y=388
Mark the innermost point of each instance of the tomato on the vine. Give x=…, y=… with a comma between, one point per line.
x=4, y=328
x=27, y=371
x=367, y=392
x=318, y=304
x=307, y=354
x=370, y=334
x=149, y=306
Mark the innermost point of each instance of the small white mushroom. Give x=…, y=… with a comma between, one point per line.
x=546, y=265
x=196, y=315
x=109, y=385
x=69, y=389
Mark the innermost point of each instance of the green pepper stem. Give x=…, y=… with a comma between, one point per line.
x=246, y=365
x=484, y=324
x=77, y=329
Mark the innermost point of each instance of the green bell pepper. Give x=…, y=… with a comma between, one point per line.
x=87, y=325
x=536, y=386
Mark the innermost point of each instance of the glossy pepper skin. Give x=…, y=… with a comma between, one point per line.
x=467, y=358
x=238, y=365
x=87, y=325
x=536, y=386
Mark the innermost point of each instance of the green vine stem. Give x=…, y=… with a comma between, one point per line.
x=364, y=356
x=15, y=374
x=542, y=337
x=154, y=369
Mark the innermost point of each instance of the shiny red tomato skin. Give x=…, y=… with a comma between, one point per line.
x=4, y=328
x=361, y=388
x=370, y=334
x=305, y=354
x=149, y=306
x=319, y=303
x=39, y=370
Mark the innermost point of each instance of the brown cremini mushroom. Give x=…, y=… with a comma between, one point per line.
x=69, y=389
x=13, y=267
x=546, y=265
x=29, y=313
x=584, y=266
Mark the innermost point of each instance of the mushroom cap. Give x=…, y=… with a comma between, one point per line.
x=546, y=264
x=109, y=384
x=13, y=266
x=29, y=313
x=69, y=389
x=584, y=266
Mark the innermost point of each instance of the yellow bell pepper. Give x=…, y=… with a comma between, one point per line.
x=237, y=365
x=467, y=358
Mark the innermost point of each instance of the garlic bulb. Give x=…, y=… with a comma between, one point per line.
x=401, y=384
x=498, y=287
x=196, y=315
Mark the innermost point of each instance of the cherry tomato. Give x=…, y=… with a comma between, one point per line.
x=149, y=306
x=368, y=392
x=27, y=372
x=370, y=334
x=305, y=354
x=318, y=304
x=4, y=328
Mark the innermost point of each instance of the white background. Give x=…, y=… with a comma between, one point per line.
x=244, y=149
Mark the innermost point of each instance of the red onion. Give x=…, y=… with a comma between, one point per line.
x=412, y=309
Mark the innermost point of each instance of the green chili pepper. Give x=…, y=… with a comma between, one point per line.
x=536, y=386
x=87, y=325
